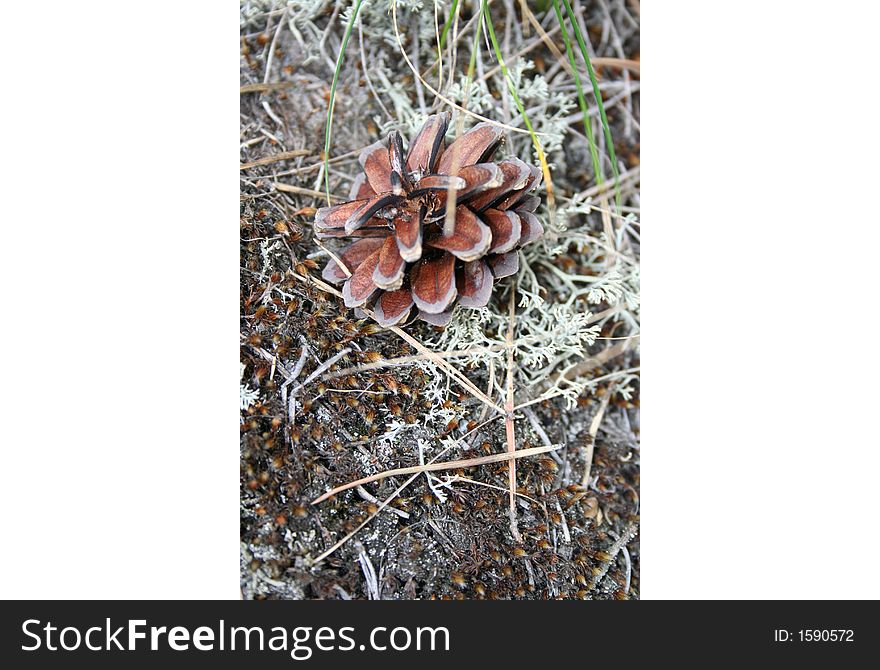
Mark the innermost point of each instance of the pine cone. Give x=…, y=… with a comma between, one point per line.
x=401, y=257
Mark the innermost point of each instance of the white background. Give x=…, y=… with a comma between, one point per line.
x=120, y=283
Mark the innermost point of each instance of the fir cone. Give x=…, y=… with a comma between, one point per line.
x=401, y=257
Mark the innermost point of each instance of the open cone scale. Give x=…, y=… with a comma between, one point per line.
x=403, y=262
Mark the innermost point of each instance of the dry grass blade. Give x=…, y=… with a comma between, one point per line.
x=621, y=63
x=396, y=492
x=630, y=175
x=544, y=37
x=363, y=523
x=402, y=360
x=287, y=188
x=265, y=88
x=444, y=365
x=508, y=420
x=435, y=467
x=453, y=372
x=283, y=156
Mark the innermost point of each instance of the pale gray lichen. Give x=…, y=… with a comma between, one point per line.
x=247, y=396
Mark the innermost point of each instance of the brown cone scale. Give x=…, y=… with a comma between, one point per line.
x=410, y=258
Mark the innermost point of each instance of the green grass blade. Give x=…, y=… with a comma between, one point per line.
x=328, y=127
x=545, y=168
x=448, y=225
x=448, y=24
x=472, y=64
x=582, y=101
x=608, y=140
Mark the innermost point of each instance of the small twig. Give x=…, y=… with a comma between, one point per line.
x=272, y=358
x=628, y=560
x=369, y=574
x=420, y=93
x=490, y=363
x=565, y=532
x=539, y=429
x=624, y=540
x=594, y=430
x=451, y=371
x=293, y=376
x=300, y=364
x=382, y=506
x=336, y=259
x=272, y=46
x=320, y=369
x=369, y=497
x=429, y=478
x=530, y=571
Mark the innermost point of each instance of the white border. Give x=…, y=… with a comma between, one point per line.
x=759, y=454
x=120, y=282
